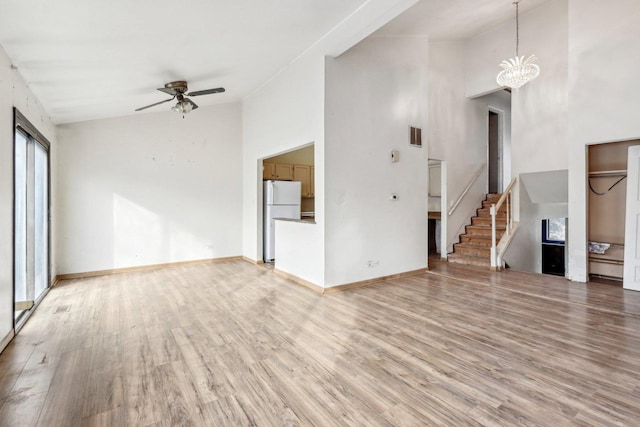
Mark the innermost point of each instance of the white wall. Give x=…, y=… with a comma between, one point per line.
x=285, y=114
x=457, y=130
x=525, y=251
x=374, y=92
x=540, y=108
x=149, y=189
x=604, y=98
x=14, y=92
x=288, y=112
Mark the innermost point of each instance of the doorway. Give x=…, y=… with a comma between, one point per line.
x=31, y=218
x=494, y=155
x=436, y=209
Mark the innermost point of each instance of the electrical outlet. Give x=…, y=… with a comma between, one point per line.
x=373, y=263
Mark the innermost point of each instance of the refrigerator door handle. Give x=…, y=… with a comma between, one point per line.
x=273, y=192
x=269, y=193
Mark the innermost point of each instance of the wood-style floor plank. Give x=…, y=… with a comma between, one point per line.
x=234, y=344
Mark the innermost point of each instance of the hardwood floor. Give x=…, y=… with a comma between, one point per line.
x=234, y=344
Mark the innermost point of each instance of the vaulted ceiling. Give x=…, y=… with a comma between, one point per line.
x=94, y=59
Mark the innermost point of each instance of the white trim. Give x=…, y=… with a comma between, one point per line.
x=444, y=218
x=7, y=339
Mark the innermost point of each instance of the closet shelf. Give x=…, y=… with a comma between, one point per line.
x=604, y=174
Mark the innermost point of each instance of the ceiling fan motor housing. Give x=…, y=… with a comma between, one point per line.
x=179, y=86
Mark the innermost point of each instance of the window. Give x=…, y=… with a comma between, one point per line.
x=554, y=230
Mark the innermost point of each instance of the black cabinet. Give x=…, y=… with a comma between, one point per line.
x=553, y=259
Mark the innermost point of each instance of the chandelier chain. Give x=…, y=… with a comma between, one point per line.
x=517, y=28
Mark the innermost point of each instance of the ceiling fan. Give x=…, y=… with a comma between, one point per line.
x=178, y=90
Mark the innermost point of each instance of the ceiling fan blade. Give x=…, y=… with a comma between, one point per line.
x=193, y=104
x=206, y=92
x=153, y=105
x=168, y=91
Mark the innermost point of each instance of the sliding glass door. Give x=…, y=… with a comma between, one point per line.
x=31, y=213
x=20, y=223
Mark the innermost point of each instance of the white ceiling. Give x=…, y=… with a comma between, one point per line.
x=454, y=19
x=95, y=59
x=102, y=58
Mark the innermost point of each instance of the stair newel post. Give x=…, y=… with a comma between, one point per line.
x=493, y=236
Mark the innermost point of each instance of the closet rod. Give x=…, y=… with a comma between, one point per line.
x=605, y=174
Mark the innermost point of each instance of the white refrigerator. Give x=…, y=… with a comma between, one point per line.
x=281, y=200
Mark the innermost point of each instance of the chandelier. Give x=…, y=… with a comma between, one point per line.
x=517, y=71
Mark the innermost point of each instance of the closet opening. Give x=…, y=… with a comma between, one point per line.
x=606, y=210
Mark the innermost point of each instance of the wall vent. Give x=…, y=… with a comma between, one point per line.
x=415, y=136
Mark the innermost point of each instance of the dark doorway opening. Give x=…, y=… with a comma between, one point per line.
x=494, y=153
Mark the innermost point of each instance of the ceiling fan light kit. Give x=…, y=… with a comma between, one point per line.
x=178, y=90
x=517, y=71
x=182, y=107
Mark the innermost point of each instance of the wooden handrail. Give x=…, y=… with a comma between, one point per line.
x=505, y=193
x=496, y=258
x=467, y=188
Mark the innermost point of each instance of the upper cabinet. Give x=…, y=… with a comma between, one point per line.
x=303, y=174
x=277, y=171
x=268, y=170
x=284, y=172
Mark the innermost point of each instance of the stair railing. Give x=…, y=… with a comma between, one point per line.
x=474, y=178
x=496, y=255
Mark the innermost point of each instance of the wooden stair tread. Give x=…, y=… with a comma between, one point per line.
x=469, y=260
x=486, y=212
x=470, y=245
x=474, y=247
x=486, y=227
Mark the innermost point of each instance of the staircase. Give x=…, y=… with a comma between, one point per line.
x=475, y=244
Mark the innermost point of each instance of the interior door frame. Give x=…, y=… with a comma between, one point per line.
x=500, y=171
x=20, y=121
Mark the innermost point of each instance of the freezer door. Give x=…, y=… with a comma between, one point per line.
x=270, y=214
x=282, y=192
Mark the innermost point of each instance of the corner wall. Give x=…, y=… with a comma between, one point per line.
x=549, y=200
x=285, y=114
x=374, y=92
x=604, y=94
x=457, y=129
x=149, y=189
x=540, y=109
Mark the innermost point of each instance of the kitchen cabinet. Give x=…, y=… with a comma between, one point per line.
x=304, y=174
x=277, y=171
x=268, y=170
x=284, y=172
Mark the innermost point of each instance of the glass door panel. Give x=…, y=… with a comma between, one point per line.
x=20, y=210
x=41, y=221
